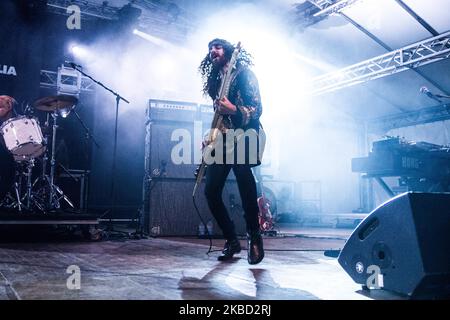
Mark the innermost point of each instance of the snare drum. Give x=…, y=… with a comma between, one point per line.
x=23, y=137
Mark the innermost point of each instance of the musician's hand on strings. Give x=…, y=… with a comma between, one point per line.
x=225, y=106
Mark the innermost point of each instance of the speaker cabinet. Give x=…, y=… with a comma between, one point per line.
x=408, y=238
x=169, y=209
x=159, y=146
x=168, y=184
x=172, y=148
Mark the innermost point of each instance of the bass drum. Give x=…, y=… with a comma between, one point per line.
x=7, y=170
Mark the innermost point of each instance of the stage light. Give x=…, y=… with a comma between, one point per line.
x=128, y=18
x=78, y=51
x=64, y=112
x=155, y=40
x=129, y=14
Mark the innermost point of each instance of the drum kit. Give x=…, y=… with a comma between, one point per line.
x=25, y=146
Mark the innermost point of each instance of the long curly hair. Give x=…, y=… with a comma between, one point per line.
x=210, y=73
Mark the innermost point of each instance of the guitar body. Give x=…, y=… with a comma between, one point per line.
x=264, y=216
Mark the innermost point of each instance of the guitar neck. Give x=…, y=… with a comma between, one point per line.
x=223, y=92
x=217, y=121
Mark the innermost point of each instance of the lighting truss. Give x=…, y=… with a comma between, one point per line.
x=328, y=7
x=426, y=115
x=155, y=18
x=160, y=27
x=412, y=56
x=49, y=79
x=87, y=8
x=158, y=20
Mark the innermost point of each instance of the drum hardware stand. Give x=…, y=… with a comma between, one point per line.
x=14, y=202
x=16, y=190
x=11, y=201
x=29, y=196
x=17, y=202
x=53, y=162
x=29, y=199
x=55, y=194
x=54, y=190
x=30, y=166
x=113, y=170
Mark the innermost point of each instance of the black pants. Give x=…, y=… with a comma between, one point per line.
x=216, y=174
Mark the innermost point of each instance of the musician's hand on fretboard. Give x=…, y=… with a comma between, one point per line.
x=224, y=106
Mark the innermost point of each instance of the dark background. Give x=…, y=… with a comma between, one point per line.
x=32, y=40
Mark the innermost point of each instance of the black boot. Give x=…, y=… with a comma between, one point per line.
x=231, y=247
x=255, y=250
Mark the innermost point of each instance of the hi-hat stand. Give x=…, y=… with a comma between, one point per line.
x=51, y=194
x=55, y=193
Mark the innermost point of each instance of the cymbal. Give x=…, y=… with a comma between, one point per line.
x=53, y=103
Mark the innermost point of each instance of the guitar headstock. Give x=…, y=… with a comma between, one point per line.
x=235, y=55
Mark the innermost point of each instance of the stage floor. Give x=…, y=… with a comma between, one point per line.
x=294, y=268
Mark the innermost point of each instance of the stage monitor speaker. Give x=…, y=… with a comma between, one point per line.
x=169, y=209
x=408, y=238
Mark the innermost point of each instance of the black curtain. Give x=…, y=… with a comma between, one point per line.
x=21, y=41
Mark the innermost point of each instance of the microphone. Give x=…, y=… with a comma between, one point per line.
x=72, y=64
x=425, y=90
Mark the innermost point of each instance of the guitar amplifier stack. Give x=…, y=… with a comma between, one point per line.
x=174, y=131
x=177, y=111
x=171, y=124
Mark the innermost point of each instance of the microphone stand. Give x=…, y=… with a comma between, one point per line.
x=113, y=176
x=88, y=132
x=87, y=151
